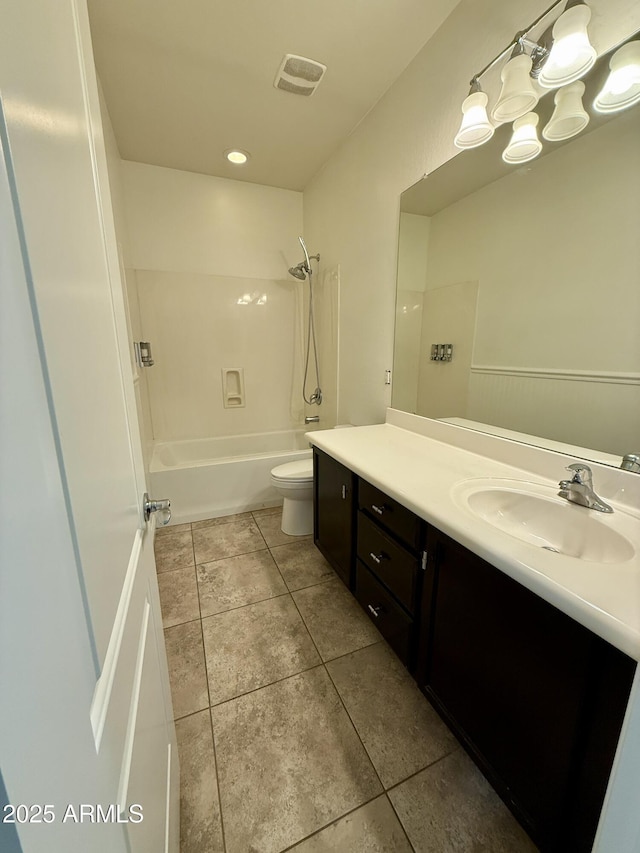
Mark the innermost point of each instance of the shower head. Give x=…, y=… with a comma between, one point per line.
x=303, y=267
x=299, y=271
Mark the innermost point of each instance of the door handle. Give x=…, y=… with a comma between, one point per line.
x=162, y=506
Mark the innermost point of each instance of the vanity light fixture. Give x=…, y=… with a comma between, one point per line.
x=561, y=55
x=524, y=144
x=569, y=116
x=476, y=129
x=237, y=156
x=622, y=87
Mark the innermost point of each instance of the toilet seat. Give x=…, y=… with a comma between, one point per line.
x=294, y=472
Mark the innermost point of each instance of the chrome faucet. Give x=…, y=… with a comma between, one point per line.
x=579, y=489
x=312, y=419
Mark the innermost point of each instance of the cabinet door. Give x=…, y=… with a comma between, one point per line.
x=334, y=513
x=510, y=673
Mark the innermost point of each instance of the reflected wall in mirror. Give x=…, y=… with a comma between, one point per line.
x=534, y=277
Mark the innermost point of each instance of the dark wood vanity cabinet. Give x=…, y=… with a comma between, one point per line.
x=536, y=699
x=334, y=508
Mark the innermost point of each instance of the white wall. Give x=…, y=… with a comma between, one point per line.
x=351, y=206
x=211, y=257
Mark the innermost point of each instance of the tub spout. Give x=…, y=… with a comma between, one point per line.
x=312, y=419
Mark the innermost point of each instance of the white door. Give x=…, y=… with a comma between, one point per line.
x=85, y=709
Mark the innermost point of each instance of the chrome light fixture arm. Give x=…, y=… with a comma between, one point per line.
x=539, y=50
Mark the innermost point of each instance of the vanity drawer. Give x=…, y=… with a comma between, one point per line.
x=390, y=514
x=390, y=619
x=388, y=561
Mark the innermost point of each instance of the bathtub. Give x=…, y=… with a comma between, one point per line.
x=210, y=477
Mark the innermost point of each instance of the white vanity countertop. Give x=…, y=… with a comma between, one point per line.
x=422, y=474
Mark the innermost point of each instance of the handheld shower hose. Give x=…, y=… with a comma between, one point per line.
x=300, y=272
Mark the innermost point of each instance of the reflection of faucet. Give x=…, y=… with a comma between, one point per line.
x=579, y=489
x=631, y=462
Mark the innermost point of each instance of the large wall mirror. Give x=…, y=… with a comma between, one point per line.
x=532, y=274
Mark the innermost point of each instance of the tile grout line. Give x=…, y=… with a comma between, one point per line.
x=330, y=823
x=215, y=764
x=324, y=664
x=375, y=769
x=246, y=604
x=210, y=709
x=206, y=675
x=406, y=834
x=177, y=624
x=422, y=769
x=264, y=686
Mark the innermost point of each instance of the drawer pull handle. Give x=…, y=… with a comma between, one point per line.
x=378, y=558
x=378, y=509
x=375, y=611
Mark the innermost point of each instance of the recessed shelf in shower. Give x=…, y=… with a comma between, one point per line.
x=233, y=387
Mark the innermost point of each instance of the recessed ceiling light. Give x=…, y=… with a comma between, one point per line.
x=237, y=157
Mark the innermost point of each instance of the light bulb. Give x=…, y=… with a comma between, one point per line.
x=622, y=87
x=569, y=116
x=475, y=129
x=524, y=144
x=237, y=157
x=572, y=54
x=517, y=96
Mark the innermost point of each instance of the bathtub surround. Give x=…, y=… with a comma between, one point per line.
x=200, y=324
x=298, y=725
x=212, y=290
x=211, y=258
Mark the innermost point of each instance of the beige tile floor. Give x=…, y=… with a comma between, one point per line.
x=298, y=729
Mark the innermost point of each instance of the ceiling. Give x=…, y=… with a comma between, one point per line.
x=186, y=80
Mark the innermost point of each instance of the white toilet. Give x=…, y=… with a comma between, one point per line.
x=294, y=481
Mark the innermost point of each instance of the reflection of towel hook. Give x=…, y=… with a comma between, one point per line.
x=142, y=351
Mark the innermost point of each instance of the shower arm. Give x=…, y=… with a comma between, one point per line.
x=306, y=254
x=308, y=258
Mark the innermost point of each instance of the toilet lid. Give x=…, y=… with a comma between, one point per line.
x=302, y=470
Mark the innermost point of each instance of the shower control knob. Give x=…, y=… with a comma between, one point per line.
x=162, y=506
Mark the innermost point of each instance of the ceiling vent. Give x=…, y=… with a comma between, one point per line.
x=298, y=75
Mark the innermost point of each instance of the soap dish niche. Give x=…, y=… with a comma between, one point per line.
x=233, y=387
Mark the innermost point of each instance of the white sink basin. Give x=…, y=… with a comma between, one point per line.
x=535, y=514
